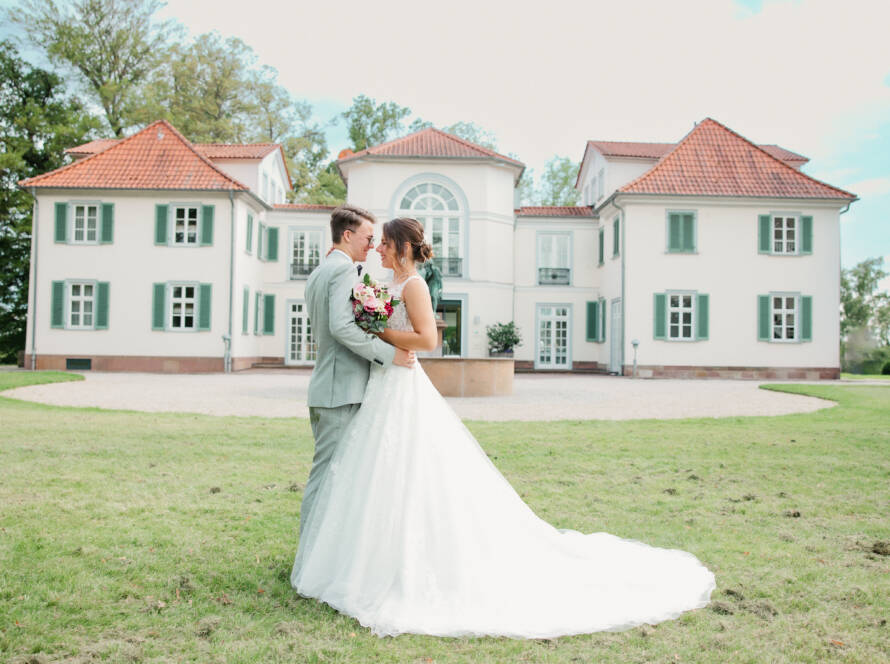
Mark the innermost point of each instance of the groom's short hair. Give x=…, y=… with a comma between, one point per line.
x=348, y=217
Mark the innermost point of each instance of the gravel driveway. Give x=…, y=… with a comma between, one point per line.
x=282, y=393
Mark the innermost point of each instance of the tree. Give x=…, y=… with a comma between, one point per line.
x=112, y=44
x=37, y=124
x=472, y=132
x=859, y=304
x=369, y=123
x=558, y=182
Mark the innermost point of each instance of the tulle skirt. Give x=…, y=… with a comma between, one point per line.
x=415, y=530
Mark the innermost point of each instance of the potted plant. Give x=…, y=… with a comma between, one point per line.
x=502, y=338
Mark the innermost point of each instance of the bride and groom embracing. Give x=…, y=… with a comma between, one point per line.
x=406, y=525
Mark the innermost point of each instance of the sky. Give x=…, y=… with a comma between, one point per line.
x=810, y=75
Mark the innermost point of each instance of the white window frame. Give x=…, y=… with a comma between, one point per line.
x=786, y=216
x=553, y=366
x=601, y=184
x=692, y=309
x=538, y=260
x=313, y=350
x=72, y=224
x=69, y=298
x=169, y=312
x=172, y=223
x=794, y=312
x=259, y=329
x=293, y=232
x=446, y=214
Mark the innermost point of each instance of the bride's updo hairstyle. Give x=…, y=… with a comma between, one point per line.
x=404, y=230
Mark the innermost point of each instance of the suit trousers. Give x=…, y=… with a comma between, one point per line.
x=328, y=426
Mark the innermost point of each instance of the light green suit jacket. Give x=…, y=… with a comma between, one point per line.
x=344, y=350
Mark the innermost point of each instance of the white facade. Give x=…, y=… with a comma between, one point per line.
x=580, y=283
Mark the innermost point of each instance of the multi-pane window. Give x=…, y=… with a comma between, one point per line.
x=784, y=317
x=784, y=235
x=81, y=302
x=553, y=337
x=302, y=346
x=305, y=253
x=680, y=311
x=553, y=258
x=185, y=224
x=439, y=211
x=182, y=307
x=86, y=223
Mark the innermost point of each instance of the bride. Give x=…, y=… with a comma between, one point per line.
x=415, y=530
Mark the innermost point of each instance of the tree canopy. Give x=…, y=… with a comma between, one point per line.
x=38, y=121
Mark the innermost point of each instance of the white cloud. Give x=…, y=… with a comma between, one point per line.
x=545, y=78
x=871, y=187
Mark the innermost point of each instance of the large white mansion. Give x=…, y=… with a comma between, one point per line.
x=708, y=257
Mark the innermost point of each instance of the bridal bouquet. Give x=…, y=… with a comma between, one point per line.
x=372, y=304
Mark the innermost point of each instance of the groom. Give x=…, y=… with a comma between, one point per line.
x=344, y=351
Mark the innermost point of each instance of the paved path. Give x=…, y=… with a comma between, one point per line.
x=535, y=396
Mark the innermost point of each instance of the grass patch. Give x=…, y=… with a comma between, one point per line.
x=865, y=376
x=139, y=537
x=12, y=379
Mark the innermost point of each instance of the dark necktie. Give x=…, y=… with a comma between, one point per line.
x=358, y=268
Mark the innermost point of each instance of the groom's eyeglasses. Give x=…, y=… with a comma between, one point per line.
x=369, y=238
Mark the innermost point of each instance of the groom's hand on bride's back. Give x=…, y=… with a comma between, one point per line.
x=404, y=358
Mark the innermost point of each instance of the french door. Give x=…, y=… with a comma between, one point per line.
x=301, y=348
x=553, y=343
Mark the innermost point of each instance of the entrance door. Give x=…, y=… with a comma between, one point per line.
x=300, y=344
x=615, y=338
x=450, y=311
x=553, y=341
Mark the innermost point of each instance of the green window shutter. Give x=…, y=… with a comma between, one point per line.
x=268, y=314
x=256, y=311
x=272, y=244
x=616, y=237
x=763, y=318
x=675, y=240
x=602, y=246
x=158, y=306
x=102, y=292
x=764, y=239
x=806, y=235
x=207, y=225
x=161, y=224
x=107, y=234
x=61, y=222
x=660, y=315
x=592, y=321
x=245, y=310
x=57, y=318
x=249, y=233
x=602, y=319
x=701, y=316
x=204, y=306
x=688, y=232
x=806, y=318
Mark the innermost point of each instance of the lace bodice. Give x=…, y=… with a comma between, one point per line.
x=399, y=319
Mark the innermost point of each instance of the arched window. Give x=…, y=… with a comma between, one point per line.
x=439, y=211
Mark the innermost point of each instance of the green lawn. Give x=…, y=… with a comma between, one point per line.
x=864, y=376
x=134, y=537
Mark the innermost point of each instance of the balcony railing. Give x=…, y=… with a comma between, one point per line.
x=449, y=267
x=301, y=270
x=560, y=276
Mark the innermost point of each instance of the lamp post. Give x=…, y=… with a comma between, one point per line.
x=635, y=343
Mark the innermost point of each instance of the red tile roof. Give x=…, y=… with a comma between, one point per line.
x=303, y=206
x=158, y=157
x=236, y=150
x=713, y=160
x=93, y=146
x=431, y=142
x=555, y=211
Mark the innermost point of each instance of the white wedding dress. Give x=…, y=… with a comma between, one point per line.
x=415, y=530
